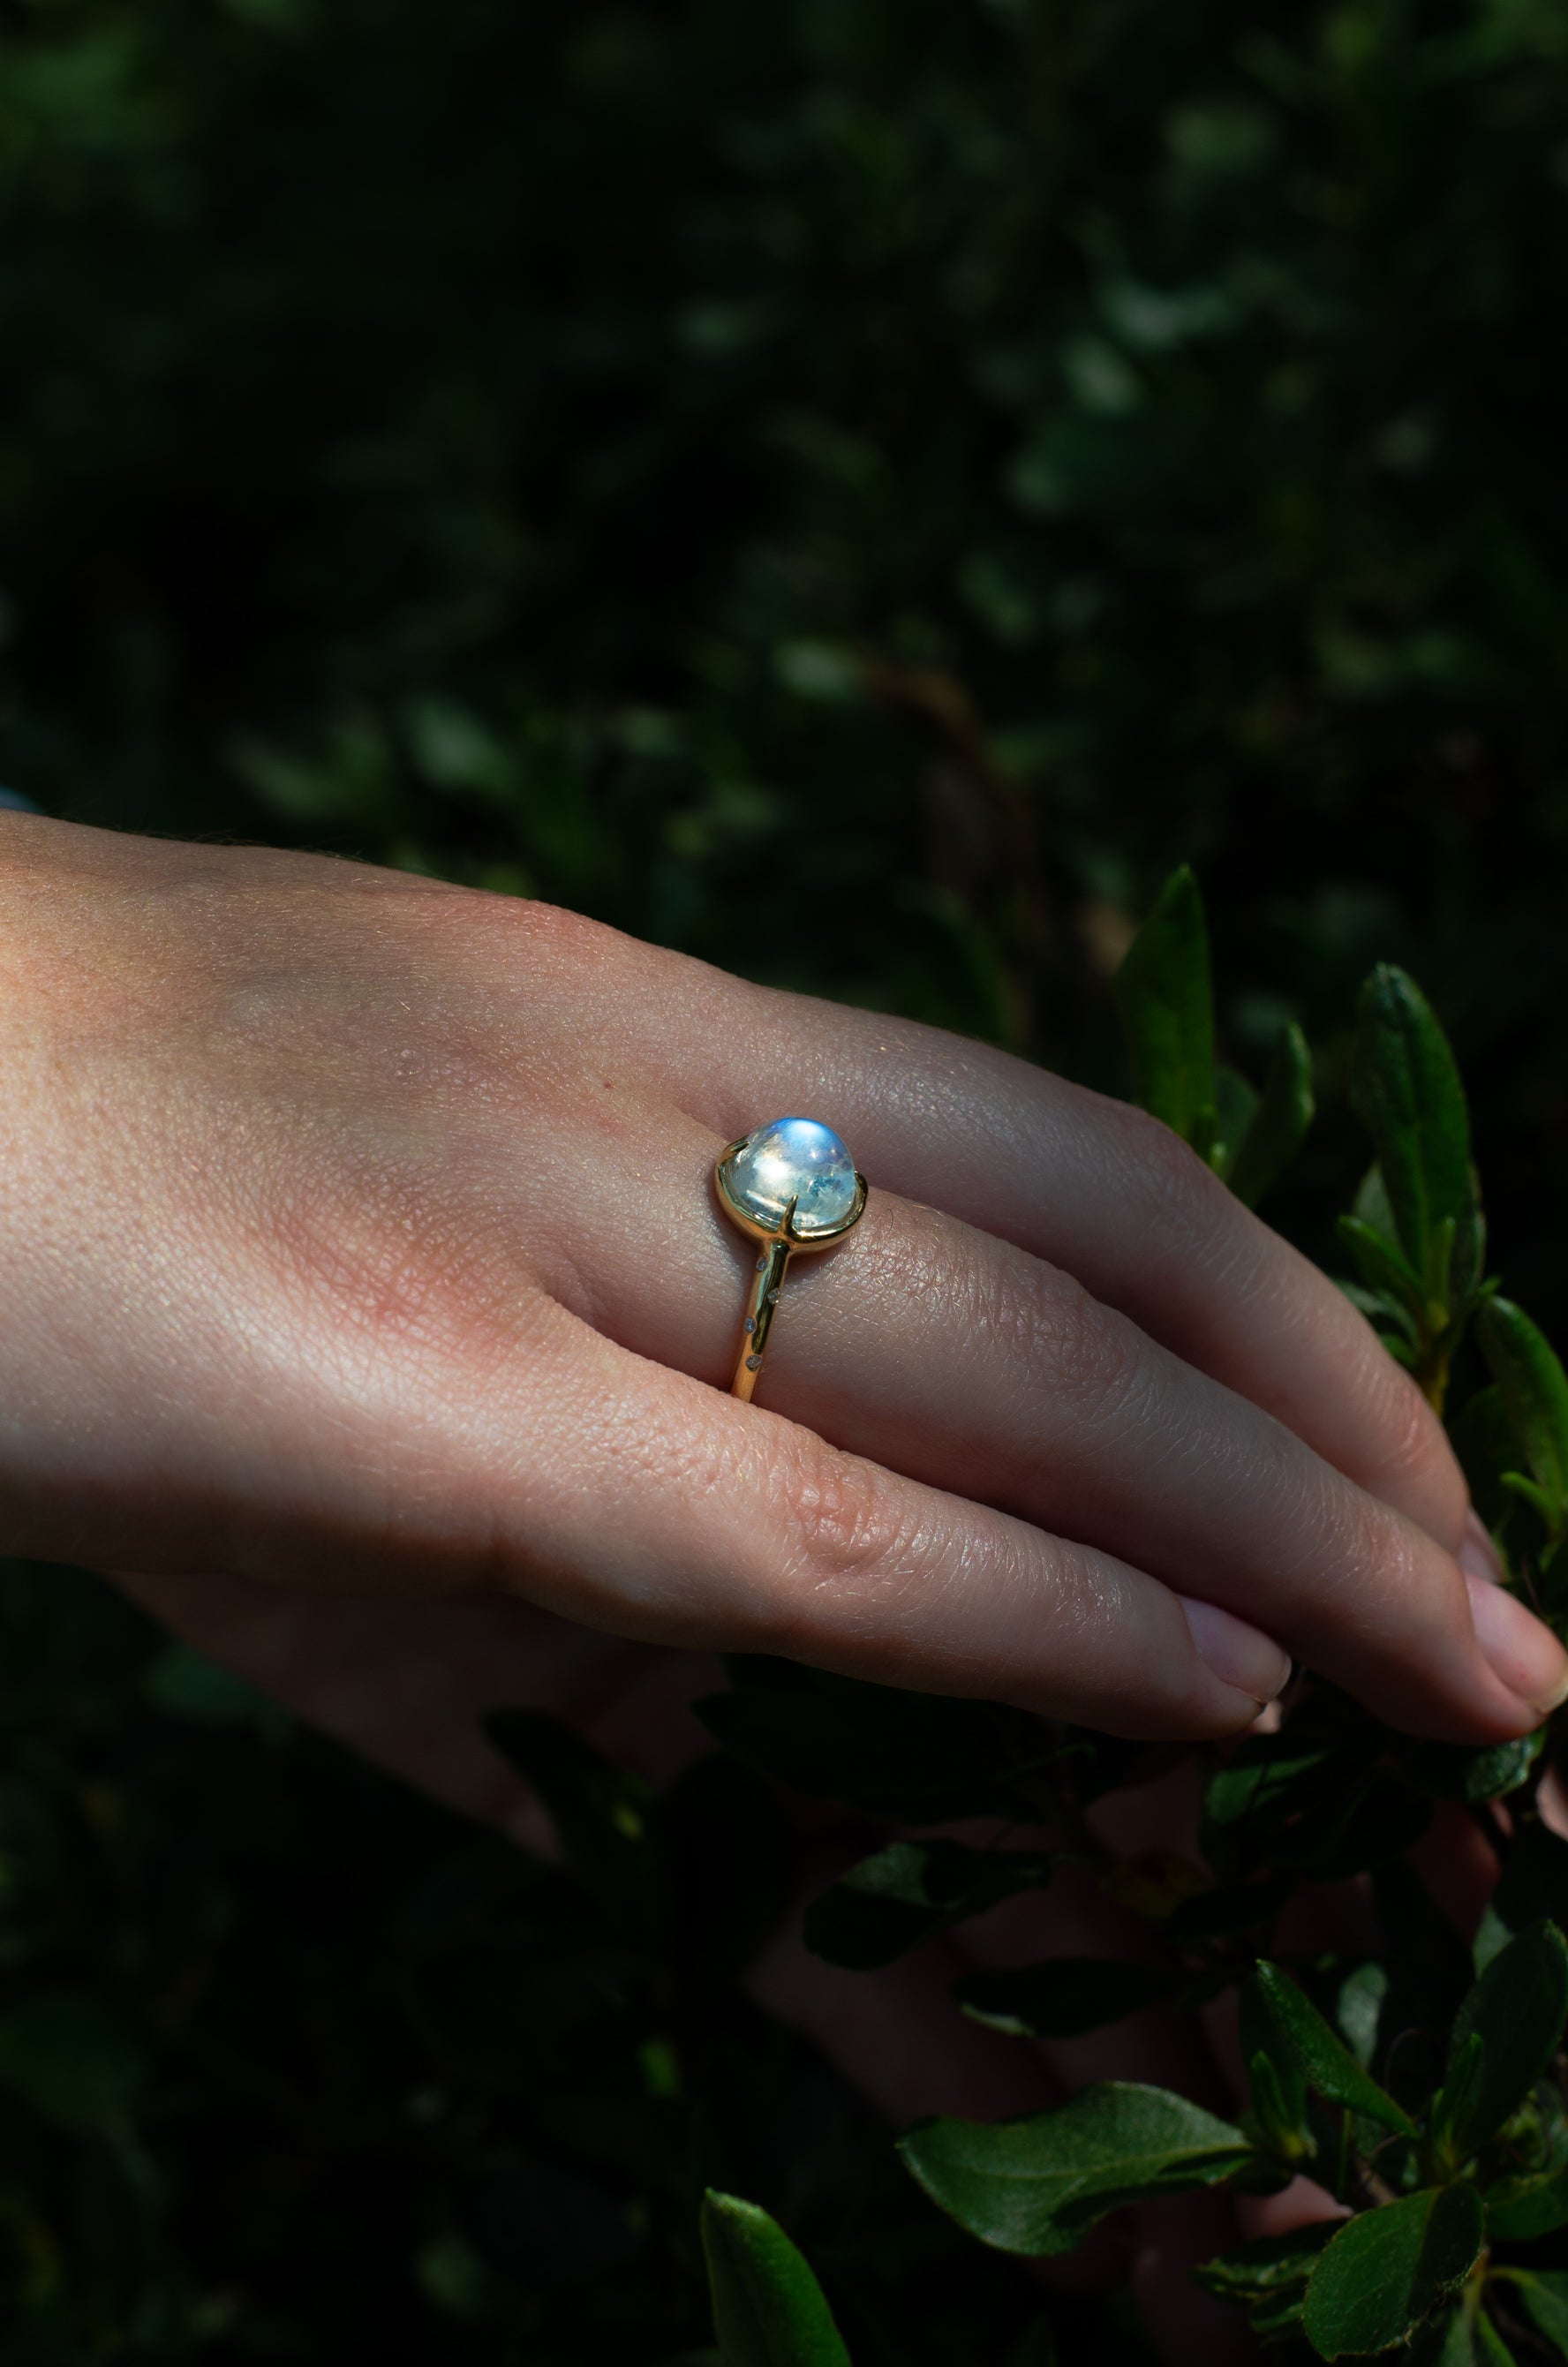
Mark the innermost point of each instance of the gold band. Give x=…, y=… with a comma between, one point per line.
x=778, y=1237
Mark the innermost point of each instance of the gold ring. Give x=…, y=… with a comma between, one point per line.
x=791, y=1186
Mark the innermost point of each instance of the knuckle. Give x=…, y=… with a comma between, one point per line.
x=841, y=1518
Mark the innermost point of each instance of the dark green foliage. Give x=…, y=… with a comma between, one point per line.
x=1298, y=2033
x=1533, y=1389
x=1385, y=2269
x=933, y=469
x=1545, y=2298
x=1165, y=996
x=768, y=2309
x=1506, y=2033
x=1037, y=2185
x=1278, y=1126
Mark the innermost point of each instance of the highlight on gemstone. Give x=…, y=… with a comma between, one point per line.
x=794, y=1159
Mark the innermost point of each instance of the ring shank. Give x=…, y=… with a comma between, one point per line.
x=760, y=1310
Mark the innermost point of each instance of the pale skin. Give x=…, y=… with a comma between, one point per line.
x=368, y=1297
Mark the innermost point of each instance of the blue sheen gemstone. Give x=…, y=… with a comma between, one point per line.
x=794, y=1159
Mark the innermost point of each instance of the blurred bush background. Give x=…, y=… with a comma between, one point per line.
x=855, y=491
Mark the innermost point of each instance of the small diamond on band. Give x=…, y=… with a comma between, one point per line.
x=751, y=1363
x=750, y=1323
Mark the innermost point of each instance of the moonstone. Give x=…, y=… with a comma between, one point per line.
x=794, y=1159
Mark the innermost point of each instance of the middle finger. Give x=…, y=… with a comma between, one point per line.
x=962, y=1361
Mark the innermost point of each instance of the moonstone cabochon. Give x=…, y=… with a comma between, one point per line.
x=794, y=1159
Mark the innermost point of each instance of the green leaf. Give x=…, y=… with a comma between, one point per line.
x=1325, y=2062
x=1490, y=2350
x=1534, y=1388
x=1066, y=1996
x=1279, y=1127
x=1454, y=2105
x=1406, y=1090
x=1518, y=2209
x=603, y=1816
x=1164, y=994
x=1451, y=1772
x=1235, y=1110
x=1540, y=1499
x=892, y=1901
x=69, y=2055
x=1545, y=2296
x=1533, y=1883
x=1466, y=2337
x=1277, y=2107
x=1308, y=1806
x=1385, y=2269
x=768, y=2309
x=1383, y=1271
x=1517, y=2008
x=1487, y=1445
x=1037, y=2184
x=1373, y=1206
x=1267, y=2263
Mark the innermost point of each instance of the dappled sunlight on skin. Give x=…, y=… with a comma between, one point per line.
x=363, y=1236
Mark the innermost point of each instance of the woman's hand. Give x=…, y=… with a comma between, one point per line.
x=359, y=1236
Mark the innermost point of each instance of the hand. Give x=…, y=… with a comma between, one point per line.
x=360, y=1236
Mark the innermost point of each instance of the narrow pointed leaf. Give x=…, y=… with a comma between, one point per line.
x=1490, y=2350
x=768, y=2309
x=1380, y=1309
x=1540, y=1498
x=1372, y=1205
x=1535, y=1390
x=1279, y=1127
x=1533, y=1884
x=1164, y=994
x=1545, y=2296
x=1326, y=2063
x=1483, y=1438
x=1517, y=2008
x=1037, y=2184
x=1386, y=2270
x=1407, y=1092
x=1384, y=1270
x=1467, y=2338
x=1236, y=1112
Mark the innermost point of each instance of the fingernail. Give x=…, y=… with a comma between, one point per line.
x=1526, y=1654
x=1240, y=1655
x=1477, y=1554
